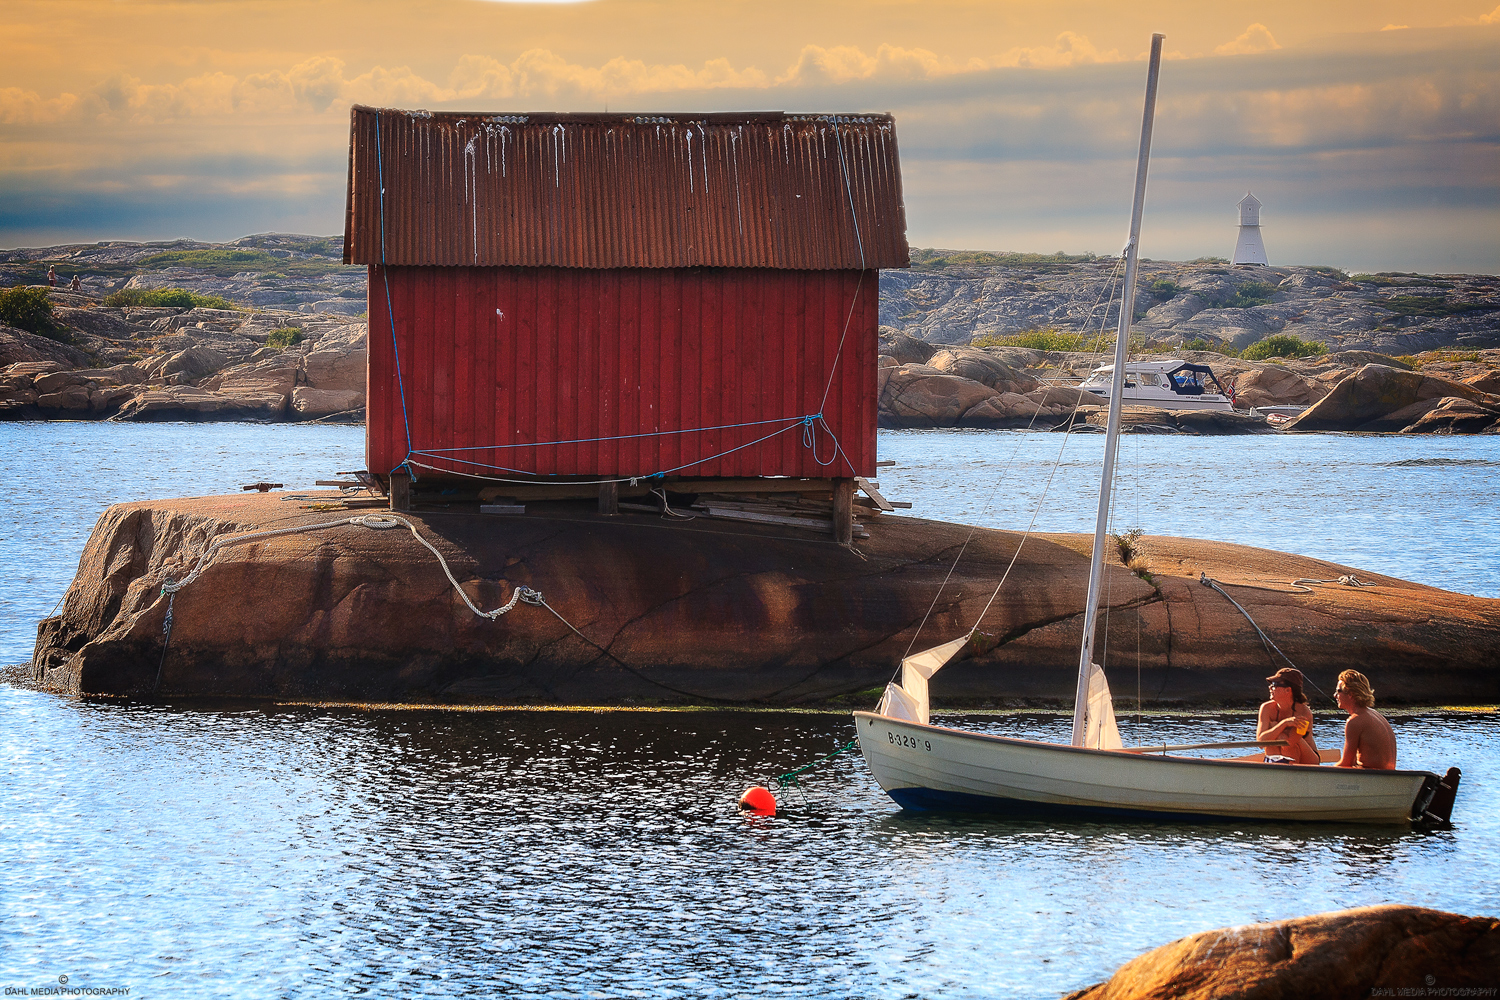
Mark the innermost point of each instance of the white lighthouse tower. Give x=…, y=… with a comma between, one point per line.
x=1249, y=249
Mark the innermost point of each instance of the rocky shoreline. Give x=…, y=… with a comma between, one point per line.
x=1390, y=950
x=708, y=612
x=1440, y=392
x=1406, y=353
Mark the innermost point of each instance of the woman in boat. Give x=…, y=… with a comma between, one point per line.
x=1287, y=716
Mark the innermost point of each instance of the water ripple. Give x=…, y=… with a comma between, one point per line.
x=198, y=850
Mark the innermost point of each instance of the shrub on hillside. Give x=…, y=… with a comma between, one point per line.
x=1037, y=340
x=1282, y=345
x=284, y=337
x=1255, y=293
x=30, y=309
x=176, y=298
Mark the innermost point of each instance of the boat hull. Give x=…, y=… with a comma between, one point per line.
x=933, y=768
x=1169, y=401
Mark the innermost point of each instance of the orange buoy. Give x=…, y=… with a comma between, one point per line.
x=758, y=800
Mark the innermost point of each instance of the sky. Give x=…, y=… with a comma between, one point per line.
x=1370, y=129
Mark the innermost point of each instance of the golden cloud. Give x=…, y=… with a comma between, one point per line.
x=1256, y=38
x=27, y=107
x=1070, y=49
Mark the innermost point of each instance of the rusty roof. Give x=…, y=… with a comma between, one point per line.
x=806, y=192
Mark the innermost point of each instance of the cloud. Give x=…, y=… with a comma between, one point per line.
x=1025, y=148
x=27, y=107
x=1070, y=50
x=1493, y=17
x=1256, y=38
x=1396, y=27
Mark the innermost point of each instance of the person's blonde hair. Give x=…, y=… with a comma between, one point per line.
x=1357, y=685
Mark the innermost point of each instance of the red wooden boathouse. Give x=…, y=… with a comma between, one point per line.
x=622, y=296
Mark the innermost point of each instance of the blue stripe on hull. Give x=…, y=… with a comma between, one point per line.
x=931, y=800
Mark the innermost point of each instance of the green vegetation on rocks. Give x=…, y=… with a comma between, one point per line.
x=937, y=260
x=1050, y=339
x=1256, y=293
x=177, y=298
x=30, y=309
x=1428, y=305
x=286, y=336
x=1282, y=346
x=226, y=262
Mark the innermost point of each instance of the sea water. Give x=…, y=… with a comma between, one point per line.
x=255, y=850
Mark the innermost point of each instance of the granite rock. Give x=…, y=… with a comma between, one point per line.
x=724, y=612
x=1387, y=950
x=1366, y=399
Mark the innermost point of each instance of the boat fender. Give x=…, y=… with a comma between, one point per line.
x=758, y=801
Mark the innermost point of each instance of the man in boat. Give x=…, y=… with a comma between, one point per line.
x=1287, y=716
x=1369, y=741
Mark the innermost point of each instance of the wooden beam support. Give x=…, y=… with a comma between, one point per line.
x=609, y=498
x=400, y=491
x=843, y=511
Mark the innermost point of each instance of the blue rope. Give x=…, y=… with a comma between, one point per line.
x=437, y=452
x=389, y=312
x=808, y=424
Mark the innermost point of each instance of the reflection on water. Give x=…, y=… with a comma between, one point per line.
x=255, y=851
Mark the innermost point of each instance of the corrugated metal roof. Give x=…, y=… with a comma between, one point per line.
x=810, y=192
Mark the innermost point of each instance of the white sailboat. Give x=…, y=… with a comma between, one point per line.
x=922, y=766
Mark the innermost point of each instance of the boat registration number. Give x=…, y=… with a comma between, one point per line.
x=901, y=740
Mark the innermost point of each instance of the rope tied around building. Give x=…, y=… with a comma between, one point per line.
x=411, y=460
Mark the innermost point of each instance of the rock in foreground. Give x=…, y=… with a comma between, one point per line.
x=709, y=611
x=1371, y=951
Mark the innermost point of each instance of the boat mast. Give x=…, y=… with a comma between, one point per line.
x=1116, y=394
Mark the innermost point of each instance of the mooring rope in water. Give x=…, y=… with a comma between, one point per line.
x=789, y=779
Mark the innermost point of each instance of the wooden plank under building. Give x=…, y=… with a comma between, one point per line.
x=871, y=490
x=400, y=491
x=843, y=511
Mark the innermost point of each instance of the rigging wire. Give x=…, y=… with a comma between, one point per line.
x=1000, y=481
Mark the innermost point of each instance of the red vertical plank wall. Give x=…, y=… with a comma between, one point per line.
x=573, y=372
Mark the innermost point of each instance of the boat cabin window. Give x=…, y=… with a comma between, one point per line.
x=1188, y=384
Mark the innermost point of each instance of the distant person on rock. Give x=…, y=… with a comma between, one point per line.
x=52, y=277
x=1369, y=741
x=1287, y=716
x=76, y=284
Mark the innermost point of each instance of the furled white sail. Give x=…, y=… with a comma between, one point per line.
x=1100, y=732
x=909, y=700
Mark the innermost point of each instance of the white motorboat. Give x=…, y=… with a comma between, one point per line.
x=923, y=766
x=1170, y=383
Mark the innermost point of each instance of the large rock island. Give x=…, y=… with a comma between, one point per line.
x=710, y=612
